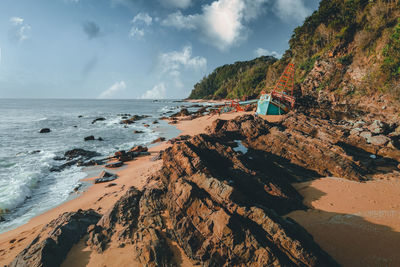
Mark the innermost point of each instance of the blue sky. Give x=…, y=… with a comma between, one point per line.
x=134, y=48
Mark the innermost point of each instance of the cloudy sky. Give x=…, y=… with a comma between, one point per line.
x=134, y=48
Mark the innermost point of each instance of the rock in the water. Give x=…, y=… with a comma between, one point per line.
x=100, y=139
x=182, y=112
x=44, y=130
x=138, y=132
x=89, y=138
x=56, y=239
x=78, y=152
x=133, y=119
x=158, y=140
x=98, y=119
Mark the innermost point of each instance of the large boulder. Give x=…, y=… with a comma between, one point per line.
x=56, y=239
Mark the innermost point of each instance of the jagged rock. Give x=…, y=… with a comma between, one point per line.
x=89, y=138
x=124, y=212
x=376, y=127
x=52, y=245
x=138, y=132
x=356, y=131
x=44, y=130
x=182, y=112
x=78, y=152
x=133, y=119
x=158, y=140
x=179, y=139
x=105, y=177
x=139, y=149
x=115, y=164
x=379, y=140
x=158, y=156
x=98, y=119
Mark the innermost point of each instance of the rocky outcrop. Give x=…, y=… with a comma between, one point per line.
x=45, y=130
x=221, y=196
x=52, y=245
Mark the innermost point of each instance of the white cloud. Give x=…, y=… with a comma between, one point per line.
x=221, y=23
x=176, y=3
x=20, y=29
x=158, y=92
x=179, y=21
x=264, y=52
x=143, y=17
x=172, y=62
x=291, y=10
x=16, y=21
x=139, y=22
x=136, y=32
x=114, y=89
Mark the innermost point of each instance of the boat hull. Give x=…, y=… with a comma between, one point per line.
x=269, y=106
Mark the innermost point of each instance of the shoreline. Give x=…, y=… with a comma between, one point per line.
x=355, y=222
x=98, y=196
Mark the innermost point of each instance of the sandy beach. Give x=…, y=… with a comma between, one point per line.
x=100, y=197
x=357, y=223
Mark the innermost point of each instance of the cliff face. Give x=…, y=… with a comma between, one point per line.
x=345, y=50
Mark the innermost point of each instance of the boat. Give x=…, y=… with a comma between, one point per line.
x=281, y=100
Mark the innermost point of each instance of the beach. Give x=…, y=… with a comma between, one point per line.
x=99, y=197
x=355, y=222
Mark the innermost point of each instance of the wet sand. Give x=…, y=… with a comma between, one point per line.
x=358, y=224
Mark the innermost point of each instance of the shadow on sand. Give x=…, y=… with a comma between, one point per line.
x=349, y=238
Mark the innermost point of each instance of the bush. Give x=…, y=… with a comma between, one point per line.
x=391, y=53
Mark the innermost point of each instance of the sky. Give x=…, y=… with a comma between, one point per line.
x=134, y=49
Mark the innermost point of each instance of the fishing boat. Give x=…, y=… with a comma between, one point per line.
x=281, y=100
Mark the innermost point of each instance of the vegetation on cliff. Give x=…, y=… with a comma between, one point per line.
x=345, y=48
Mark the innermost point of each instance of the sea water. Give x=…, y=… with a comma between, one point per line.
x=27, y=186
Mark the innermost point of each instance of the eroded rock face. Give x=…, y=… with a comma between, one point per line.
x=221, y=196
x=52, y=245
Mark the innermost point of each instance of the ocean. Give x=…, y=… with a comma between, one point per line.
x=27, y=186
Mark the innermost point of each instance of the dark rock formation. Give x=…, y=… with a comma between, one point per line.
x=79, y=152
x=44, y=130
x=98, y=119
x=224, y=207
x=182, y=112
x=115, y=164
x=89, y=138
x=158, y=140
x=52, y=245
x=139, y=149
x=133, y=119
x=105, y=177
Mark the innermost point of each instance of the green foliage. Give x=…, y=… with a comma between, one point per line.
x=234, y=80
x=308, y=64
x=346, y=60
x=391, y=52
